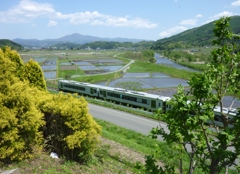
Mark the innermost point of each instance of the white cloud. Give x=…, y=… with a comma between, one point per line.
x=52, y=23
x=189, y=22
x=25, y=11
x=235, y=3
x=225, y=13
x=96, y=18
x=198, y=16
x=126, y=22
x=172, y=31
x=28, y=10
x=218, y=16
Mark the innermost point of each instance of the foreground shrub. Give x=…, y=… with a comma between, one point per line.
x=27, y=111
x=20, y=121
x=70, y=130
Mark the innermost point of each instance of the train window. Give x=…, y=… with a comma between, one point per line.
x=113, y=95
x=129, y=98
x=133, y=99
x=144, y=101
x=74, y=87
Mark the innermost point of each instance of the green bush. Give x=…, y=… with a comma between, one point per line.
x=20, y=118
x=28, y=114
x=70, y=130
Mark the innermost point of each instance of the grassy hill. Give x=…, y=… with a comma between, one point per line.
x=196, y=37
x=13, y=45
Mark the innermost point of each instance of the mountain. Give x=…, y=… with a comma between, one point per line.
x=73, y=38
x=13, y=45
x=196, y=37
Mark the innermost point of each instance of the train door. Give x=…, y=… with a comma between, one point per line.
x=164, y=106
x=91, y=91
x=98, y=92
x=153, y=104
x=61, y=85
x=104, y=94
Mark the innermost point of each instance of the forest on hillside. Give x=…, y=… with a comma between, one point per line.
x=197, y=37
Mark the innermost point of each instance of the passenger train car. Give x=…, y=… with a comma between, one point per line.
x=144, y=100
x=133, y=98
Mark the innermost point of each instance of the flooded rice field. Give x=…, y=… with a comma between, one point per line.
x=49, y=74
x=148, y=80
x=110, y=68
x=155, y=83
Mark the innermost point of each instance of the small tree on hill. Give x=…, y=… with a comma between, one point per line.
x=216, y=149
x=33, y=73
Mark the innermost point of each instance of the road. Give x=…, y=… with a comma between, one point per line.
x=130, y=121
x=126, y=120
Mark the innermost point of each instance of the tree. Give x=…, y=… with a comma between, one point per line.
x=28, y=114
x=11, y=65
x=34, y=75
x=216, y=149
x=20, y=118
x=70, y=130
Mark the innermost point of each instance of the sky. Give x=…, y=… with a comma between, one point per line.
x=133, y=19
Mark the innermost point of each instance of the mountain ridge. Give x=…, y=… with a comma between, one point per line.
x=75, y=38
x=7, y=42
x=195, y=37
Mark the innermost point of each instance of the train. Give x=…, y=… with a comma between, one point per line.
x=137, y=99
x=150, y=102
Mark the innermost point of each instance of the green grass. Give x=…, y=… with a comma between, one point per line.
x=200, y=67
x=102, y=161
x=139, y=66
x=99, y=77
x=131, y=139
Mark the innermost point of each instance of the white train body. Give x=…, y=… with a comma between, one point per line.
x=142, y=100
x=133, y=98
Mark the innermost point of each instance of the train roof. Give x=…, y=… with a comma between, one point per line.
x=137, y=93
x=231, y=111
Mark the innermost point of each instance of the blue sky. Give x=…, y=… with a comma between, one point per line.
x=139, y=19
